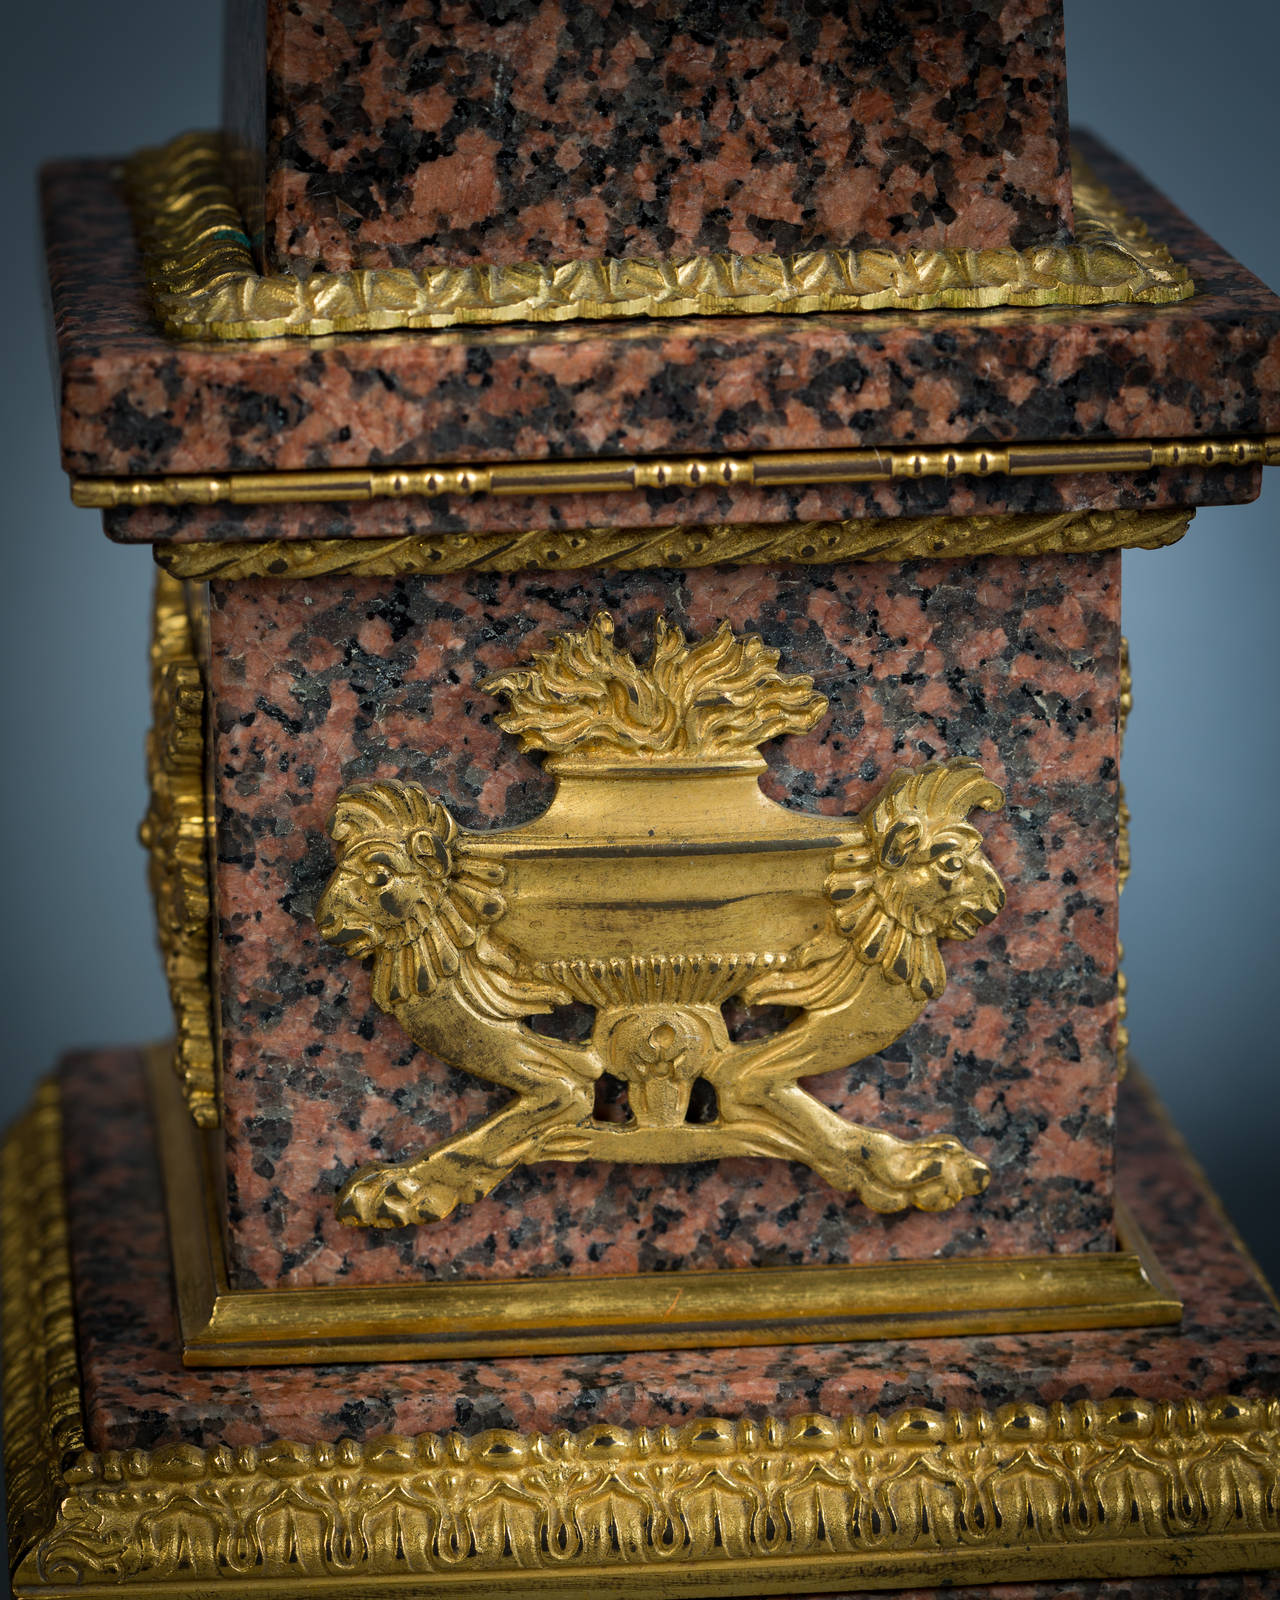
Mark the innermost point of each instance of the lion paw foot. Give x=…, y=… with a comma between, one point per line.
x=393, y=1197
x=930, y=1174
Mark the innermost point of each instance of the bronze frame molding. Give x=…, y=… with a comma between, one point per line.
x=226, y=1327
x=1099, y=1488
x=206, y=284
x=616, y=475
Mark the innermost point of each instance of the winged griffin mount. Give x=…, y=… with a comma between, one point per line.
x=660, y=883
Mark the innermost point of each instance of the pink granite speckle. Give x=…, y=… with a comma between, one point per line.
x=651, y=512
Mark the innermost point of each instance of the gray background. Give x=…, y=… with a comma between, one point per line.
x=1186, y=92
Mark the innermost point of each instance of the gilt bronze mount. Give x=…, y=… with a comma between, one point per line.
x=718, y=1505
x=225, y=1326
x=659, y=885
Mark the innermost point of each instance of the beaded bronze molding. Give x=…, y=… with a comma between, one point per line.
x=627, y=549
x=176, y=833
x=1117, y=1487
x=617, y=475
x=206, y=285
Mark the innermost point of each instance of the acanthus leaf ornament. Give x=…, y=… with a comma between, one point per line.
x=660, y=883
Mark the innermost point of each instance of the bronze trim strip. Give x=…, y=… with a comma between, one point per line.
x=774, y=470
x=632, y=549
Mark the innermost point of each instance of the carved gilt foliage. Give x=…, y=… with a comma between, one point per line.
x=205, y=283
x=916, y=1482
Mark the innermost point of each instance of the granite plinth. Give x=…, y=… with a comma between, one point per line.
x=134, y=402
x=138, y=1395
x=318, y=685
x=418, y=133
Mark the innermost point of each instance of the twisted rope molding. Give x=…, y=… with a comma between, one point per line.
x=807, y=543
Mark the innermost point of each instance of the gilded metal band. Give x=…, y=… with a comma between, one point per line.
x=723, y=1506
x=774, y=470
x=176, y=833
x=206, y=285
x=729, y=544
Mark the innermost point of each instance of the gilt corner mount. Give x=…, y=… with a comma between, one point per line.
x=658, y=885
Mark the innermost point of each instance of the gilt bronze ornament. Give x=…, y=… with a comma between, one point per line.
x=660, y=884
x=176, y=832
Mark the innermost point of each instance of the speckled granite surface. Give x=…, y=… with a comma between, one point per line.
x=137, y=1394
x=416, y=132
x=319, y=685
x=132, y=402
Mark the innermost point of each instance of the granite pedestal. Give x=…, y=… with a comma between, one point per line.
x=636, y=830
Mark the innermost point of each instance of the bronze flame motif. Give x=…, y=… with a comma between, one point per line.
x=659, y=884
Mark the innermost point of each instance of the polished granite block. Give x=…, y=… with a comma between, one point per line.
x=422, y=133
x=134, y=402
x=318, y=685
x=138, y=1395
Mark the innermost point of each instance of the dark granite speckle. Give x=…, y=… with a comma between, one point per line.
x=319, y=685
